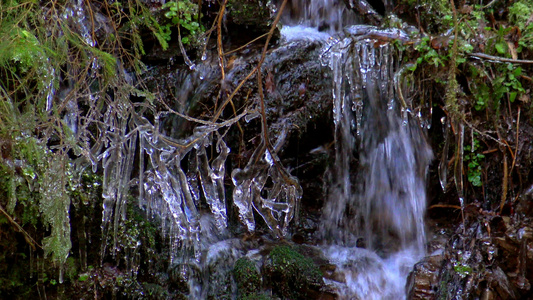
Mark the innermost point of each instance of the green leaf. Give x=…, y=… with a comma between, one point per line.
x=501, y=48
x=170, y=14
x=517, y=72
x=83, y=277
x=512, y=96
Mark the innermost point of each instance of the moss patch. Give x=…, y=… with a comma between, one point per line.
x=290, y=274
x=247, y=277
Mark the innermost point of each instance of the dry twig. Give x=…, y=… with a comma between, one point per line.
x=500, y=59
x=19, y=228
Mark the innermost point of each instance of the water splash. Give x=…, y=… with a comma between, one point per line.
x=382, y=206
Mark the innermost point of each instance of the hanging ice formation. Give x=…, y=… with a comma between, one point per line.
x=172, y=194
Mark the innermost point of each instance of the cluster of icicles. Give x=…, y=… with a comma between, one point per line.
x=172, y=189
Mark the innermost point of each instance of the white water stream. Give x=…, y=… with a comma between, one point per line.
x=381, y=204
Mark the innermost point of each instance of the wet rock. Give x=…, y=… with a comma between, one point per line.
x=529, y=249
x=220, y=260
x=179, y=276
x=423, y=280
x=501, y=284
x=244, y=21
x=491, y=259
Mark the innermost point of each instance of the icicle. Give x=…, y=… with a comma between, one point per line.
x=281, y=202
x=142, y=146
x=61, y=272
x=443, y=164
x=31, y=262
x=212, y=182
x=459, y=152
x=245, y=189
x=242, y=195
x=192, y=177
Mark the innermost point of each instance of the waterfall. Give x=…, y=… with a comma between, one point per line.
x=373, y=222
x=372, y=225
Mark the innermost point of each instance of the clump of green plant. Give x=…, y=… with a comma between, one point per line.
x=256, y=296
x=462, y=268
x=428, y=54
x=506, y=83
x=520, y=15
x=183, y=14
x=474, y=159
x=60, y=83
x=290, y=273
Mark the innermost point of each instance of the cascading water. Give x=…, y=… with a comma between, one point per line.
x=324, y=15
x=373, y=222
x=383, y=204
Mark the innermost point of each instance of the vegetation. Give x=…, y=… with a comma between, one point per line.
x=247, y=277
x=477, y=55
x=73, y=105
x=473, y=65
x=61, y=76
x=184, y=14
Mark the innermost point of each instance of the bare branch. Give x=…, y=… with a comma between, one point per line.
x=500, y=59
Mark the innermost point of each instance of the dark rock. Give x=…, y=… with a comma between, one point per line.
x=250, y=13
x=501, y=284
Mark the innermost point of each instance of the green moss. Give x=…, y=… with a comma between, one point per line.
x=249, y=13
x=255, y=296
x=290, y=273
x=155, y=291
x=71, y=269
x=247, y=277
x=45, y=67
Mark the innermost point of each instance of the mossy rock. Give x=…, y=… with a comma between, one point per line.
x=247, y=278
x=255, y=296
x=249, y=13
x=290, y=274
x=155, y=291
